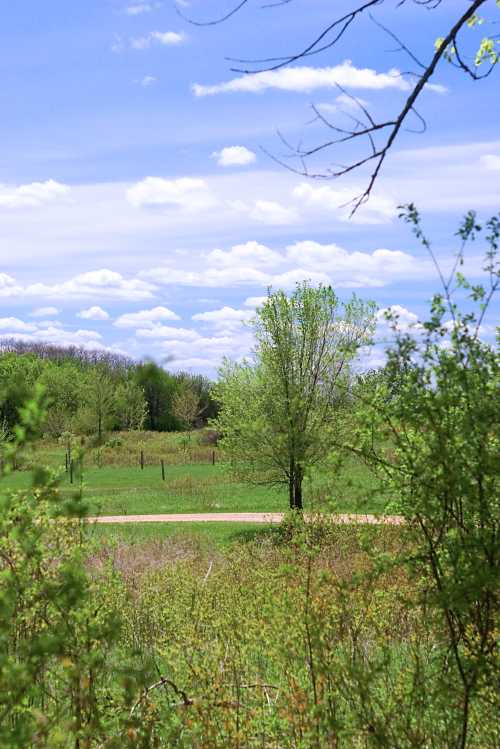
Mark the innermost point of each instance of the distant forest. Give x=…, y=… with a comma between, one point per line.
x=95, y=392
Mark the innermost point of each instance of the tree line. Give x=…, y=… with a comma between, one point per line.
x=93, y=392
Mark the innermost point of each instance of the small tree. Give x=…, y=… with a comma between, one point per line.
x=186, y=406
x=278, y=415
x=99, y=400
x=131, y=407
x=442, y=430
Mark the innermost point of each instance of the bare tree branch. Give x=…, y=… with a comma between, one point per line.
x=365, y=126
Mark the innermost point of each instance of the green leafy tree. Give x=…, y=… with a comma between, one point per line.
x=159, y=390
x=186, y=406
x=131, y=406
x=18, y=375
x=60, y=381
x=438, y=445
x=99, y=402
x=278, y=415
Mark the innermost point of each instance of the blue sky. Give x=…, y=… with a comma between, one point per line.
x=137, y=209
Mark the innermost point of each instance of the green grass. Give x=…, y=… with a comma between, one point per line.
x=220, y=535
x=120, y=487
x=202, y=488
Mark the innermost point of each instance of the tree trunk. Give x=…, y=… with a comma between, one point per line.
x=291, y=483
x=297, y=490
x=295, y=485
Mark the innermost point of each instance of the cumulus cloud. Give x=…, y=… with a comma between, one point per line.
x=167, y=331
x=45, y=312
x=234, y=156
x=208, y=278
x=304, y=79
x=164, y=38
x=89, y=339
x=93, y=313
x=254, y=253
x=102, y=283
x=490, y=161
x=265, y=212
x=206, y=352
x=271, y=212
x=8, y=286
x=257, y=265
x=14, y=325
x=145, y=318
x=34, y=195
x=49, y=332
x=189, y=193
x=225, y=318
x=404, y=320
x=379, y=209
x=357, y=269
x=254, y=301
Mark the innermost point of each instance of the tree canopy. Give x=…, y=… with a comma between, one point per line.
x=279, y=412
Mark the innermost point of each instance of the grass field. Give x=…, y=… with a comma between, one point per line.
x=192, y=484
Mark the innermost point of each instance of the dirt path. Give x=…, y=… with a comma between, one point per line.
x=242, y=517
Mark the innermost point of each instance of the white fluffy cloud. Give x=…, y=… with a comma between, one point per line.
x=145, y=318
x=254, y=301
x=305, y=79
x=34, y=195
x=379, y=209
x=93, y=313
x=209, y=278
x=167, y=331
x=206, y=352
x=490, y=161
x=164, y=38
x=190, y=193
x=8, y=286
x=257, y=265
x=271, y=212
x=403, y=318
x=234, y=156
x=251, y=253
x=45, y=312
x=266, y=212
x=14, y=325
x=103, y=283
x=85, y=338
x=225, y=318
x=49, y=332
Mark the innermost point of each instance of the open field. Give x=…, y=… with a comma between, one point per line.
x=121, y=487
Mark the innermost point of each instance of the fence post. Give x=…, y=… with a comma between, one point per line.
x=213, y=457
x=162, y=470
x=71, y=472
x=142, y=460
